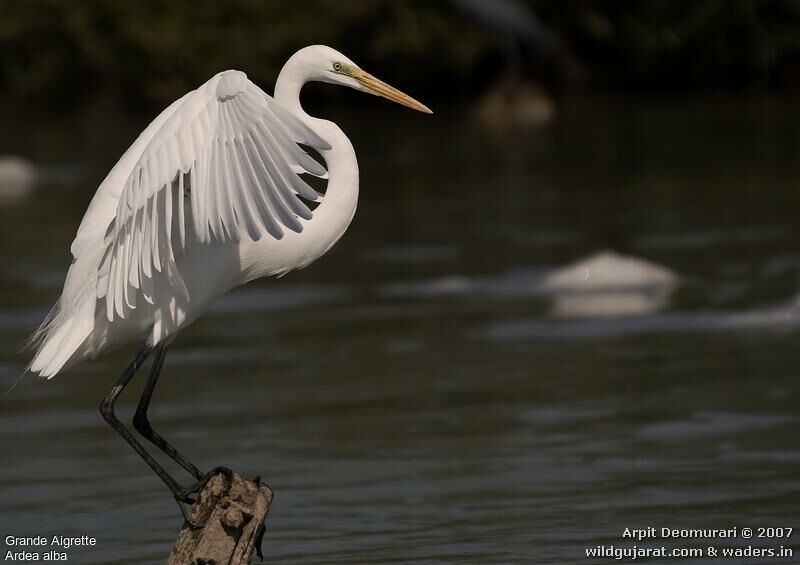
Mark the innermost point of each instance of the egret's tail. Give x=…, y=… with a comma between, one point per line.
x=58, y=341
x=59, y=338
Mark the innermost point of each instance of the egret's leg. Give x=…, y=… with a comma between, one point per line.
x=107, y=410
x=142, y=423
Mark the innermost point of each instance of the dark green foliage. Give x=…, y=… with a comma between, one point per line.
x=147, y=52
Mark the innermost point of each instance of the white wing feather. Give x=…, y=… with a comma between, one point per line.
x=235, y=150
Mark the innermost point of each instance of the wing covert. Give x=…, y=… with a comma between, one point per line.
x=224, y=163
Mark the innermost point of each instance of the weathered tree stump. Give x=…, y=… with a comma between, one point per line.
x=231, y=511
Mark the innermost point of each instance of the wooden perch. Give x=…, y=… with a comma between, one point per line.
x=232, y=511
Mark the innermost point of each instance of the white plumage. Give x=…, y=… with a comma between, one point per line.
x=236, y=148
x=207, y=198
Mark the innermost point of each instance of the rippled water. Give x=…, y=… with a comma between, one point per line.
x=422, y=393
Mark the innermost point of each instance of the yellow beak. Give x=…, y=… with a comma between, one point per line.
x=380, y=88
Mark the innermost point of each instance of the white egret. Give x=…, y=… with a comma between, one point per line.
x=208, y=198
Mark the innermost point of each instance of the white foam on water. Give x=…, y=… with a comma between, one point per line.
x=608, y=271
x=17, y=178
x=709, y=423
x=781, y=318
x=603, y=284
x=609, y=284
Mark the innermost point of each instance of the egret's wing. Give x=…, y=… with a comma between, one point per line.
x=224, y=163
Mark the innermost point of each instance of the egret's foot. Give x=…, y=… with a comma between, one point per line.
x=257, y=480
x=183, y=497
x=184, y=494
x=220, y=471
x=186, y=510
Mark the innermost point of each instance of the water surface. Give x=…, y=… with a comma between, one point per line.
x=417, y=394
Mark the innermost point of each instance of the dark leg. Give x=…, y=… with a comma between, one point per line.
x=182, y=495
x=142, y=424
x=107, y=410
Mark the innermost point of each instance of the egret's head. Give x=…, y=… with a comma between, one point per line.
x=328, y=65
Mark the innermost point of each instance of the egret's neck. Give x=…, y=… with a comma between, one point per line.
x=288, y=86
x=334, y=214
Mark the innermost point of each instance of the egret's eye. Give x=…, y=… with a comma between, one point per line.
x=337, y=67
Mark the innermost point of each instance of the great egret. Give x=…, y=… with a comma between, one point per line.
x=208, y=198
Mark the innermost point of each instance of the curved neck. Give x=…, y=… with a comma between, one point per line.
x=287, y=89
x=291, y=79
x=333, y=215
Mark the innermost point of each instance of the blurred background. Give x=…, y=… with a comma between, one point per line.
x=567, y=305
